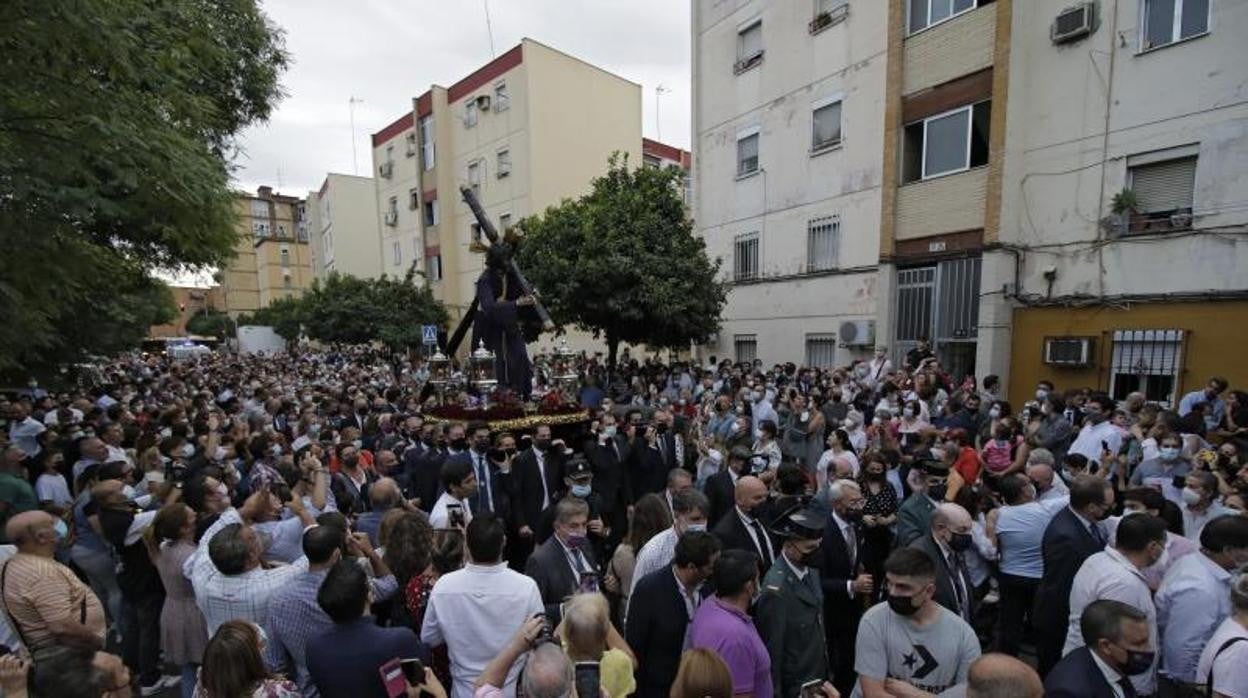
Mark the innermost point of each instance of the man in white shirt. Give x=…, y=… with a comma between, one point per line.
x=460, y=481
x=1195, y=597
x=476, y=610
x=1116, y=574
x=24, y=430
x=1224, y=662
x=226, y=574
x=1200, y=503
x=690, y=509
x=1098, y=433
x=1040, y=472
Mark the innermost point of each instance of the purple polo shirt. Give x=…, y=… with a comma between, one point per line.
x=730, y=632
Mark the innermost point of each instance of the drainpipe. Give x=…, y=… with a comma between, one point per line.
x=1109, y=102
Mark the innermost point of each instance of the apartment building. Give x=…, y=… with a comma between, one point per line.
x=788, y=136
x=526, y=130
x=1056, y=186
x=273, y=258
x=1139, y=96
x=343, y=229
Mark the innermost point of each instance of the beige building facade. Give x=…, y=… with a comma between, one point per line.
x=528, y=129
x=343, y=229
x=273, y=255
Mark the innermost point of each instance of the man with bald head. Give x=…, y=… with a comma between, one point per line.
x=948, y=541
x=94, y=452
x=742, y=528
x=47, y=603
x=991, y=676
x=384, y=496
x=1043, y=477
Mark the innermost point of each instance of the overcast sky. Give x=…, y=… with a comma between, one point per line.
x=386, y=52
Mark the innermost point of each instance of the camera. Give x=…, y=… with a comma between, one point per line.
x=758, y=463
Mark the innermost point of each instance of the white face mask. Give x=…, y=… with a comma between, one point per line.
x=188, y=450
x=805, y=416
x=220, y=454
x=907, y=412
x=1190, y=496
x=994, y=412
x=1041, y=394
x=128, y=491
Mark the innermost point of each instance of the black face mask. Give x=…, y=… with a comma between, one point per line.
x=459, y=444
x=541, y=444
x=852, y=515
x=660, y=428
x=937, y=492
x=960, y=541
x=350, y=461
x=902, y=605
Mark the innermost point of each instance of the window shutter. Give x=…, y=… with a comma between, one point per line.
x=1164, y=186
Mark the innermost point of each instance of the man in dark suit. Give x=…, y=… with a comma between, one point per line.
x=743, y=527
x=566, y=562
x=495, y=489
x=1117, y=646
x=537, y=473
x=720, y=488
x=844, y=582
x=661, y=607
x=914, y=517
x=946, y=544
x=607, y=455
x=425, y=480
x=1074, y=535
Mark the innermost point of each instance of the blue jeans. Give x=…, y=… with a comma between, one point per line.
x=190, y=673
x=101, y=570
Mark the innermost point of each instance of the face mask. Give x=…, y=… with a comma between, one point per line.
x=660, y=428
x=1169, y=453
x=1138, y=662
x=938, y=492
x=581, y=491
x=188, y=450
x=907, y=412
x=876, y=421
x=220, y=454
x=1162, y=562
x=276, y=450
x=759, y=434
x=576, y=540
x=1042, y=394
x=852, y=515
x=695, y=527
x=541, y=444
x=609, y=431
x=128, y=491
x=358, y=444
x=960, y=541
x=994, y=413
x=155, y=477
x=350, y=461
x=902, y=605
x=1095, y=418
x=61, y=529
x=1190, y=497
x=460, y=444
x=734, y=428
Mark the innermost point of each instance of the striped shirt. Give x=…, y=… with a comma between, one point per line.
x=38, y=591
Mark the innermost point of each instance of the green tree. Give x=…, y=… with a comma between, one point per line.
x=389, y=310
x=284, y=315
x=210, y=323
x=117, y=122
x=623, y=262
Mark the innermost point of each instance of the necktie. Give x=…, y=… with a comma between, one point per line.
x=483, y=484
x=1097, y=535
x=764, y=550
x=959, y=585
x=1128, y=690
x=680, y=452
x=851, y=544
x=662, y=450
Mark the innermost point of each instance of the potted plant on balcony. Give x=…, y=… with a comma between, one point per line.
x=1125, y=206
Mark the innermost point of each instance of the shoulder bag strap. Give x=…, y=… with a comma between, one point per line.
x=1209, y=682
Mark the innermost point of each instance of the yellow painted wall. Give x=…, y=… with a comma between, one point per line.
x=1215, y=335
x=960, y=46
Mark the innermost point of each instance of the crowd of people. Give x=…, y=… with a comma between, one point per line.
x=237, y=526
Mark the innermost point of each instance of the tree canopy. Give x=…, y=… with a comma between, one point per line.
x=117, y=123
x=353, y=310
x=623, y=262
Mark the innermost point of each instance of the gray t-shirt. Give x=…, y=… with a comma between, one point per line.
x=933, y=658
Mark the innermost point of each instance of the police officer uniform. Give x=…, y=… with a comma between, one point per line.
x=789, y=614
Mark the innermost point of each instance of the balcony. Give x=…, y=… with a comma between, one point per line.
x=957, y=47
x=947, y=204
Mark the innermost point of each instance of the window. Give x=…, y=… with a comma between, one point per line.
x=260, y=229
x=504, y=222
x=745, y=257
x=411, y=145
x=502, y=100
x=285, y=258
x=327, y=242
x=287, y=282
x=946, y=143
x=827, y=13
x=1148, y=361
x=260, y=209
x=392, y=212
x=926, y=13
x=431, y=213
x=470, y=113
x=745, y=346
x=1168, y=21
x=504, y=164
x=820, y=350
x=396, y=250
x=1164, y=192
x=749, y=47
x=650, y=161
x=823, y=237
x=826, y=125
x=426, y=142
x=413, y=199
x=747, y=153
x=433, y=267
x=474, y=177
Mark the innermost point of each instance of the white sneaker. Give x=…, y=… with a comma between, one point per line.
x=162, y=684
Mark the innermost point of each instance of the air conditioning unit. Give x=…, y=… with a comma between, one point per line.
x=1068, y=351
x=386, y=169
x=857, y=333
x=1073, y=23
x=483, y=102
